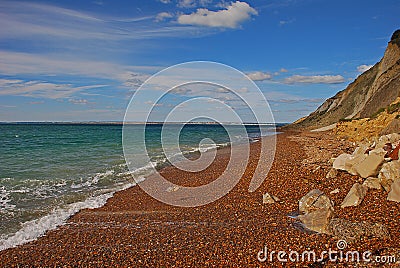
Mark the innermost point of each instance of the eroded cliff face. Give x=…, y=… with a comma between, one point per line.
x=385, y=122
x=376, y=88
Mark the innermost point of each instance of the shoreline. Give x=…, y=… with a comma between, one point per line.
x=132, y=229
x=34, y=229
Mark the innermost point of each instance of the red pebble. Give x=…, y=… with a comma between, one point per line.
x=395, y=153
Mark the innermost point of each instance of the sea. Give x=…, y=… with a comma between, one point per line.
x=50, y=171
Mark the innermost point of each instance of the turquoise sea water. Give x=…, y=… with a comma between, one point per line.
x=50, y=171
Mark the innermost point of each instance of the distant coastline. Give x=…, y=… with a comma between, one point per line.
x=135, y=123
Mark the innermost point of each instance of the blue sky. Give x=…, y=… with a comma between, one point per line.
x=83, y=60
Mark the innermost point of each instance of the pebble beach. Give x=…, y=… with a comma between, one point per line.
x=134, y=230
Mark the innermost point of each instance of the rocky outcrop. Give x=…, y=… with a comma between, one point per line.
x=381, y=159
x=362, y=162
x=376, y=88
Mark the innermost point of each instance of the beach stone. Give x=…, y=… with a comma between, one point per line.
x=373, y=183
x=341, y=160
x=386, y=184
x=394, y=155
x=336, y=191
x=317, y=220
x=394, y=194
x=390, y=138
x=369, y=166
x=361, y=149
x=388, y=147
x=331, y=174
x=378, y=151
x=389, y=173
x=352, y=231
x=269, y=199
x=350, y=165
x=355, y=196
x=315, y=200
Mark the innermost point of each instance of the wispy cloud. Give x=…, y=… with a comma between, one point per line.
x=163, y=16
x=315, y=79
x=13, y=63
x=7, y=106
x=57, y=24
x=259, y=76
x=298, y=100
x=362, y=68
x=35, y=102
x=41, y=89
x=230, y=17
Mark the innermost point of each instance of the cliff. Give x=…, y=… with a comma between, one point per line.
x=372, y=91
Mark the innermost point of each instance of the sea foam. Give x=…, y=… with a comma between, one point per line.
x=31, y=230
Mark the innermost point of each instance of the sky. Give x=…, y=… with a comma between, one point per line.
x=86, y=60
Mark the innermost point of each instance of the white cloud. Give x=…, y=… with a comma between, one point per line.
x=283, y=70
x=165, y=1
x=315, y=79
x=259, y=76
x=186, y=3
x=230, y=17
x=78, y=101
x=163, y=15
x=362, y=68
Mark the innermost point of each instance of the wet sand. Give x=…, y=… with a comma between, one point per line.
x=135, y=230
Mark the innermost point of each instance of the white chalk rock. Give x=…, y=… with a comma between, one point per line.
x=373, y=183
x=269, y=199
x=389, y=173
x=315, y=200
x=369, y=166
x=317, y=220
x=341, y=160
x=355, y=196
x=394, y=194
